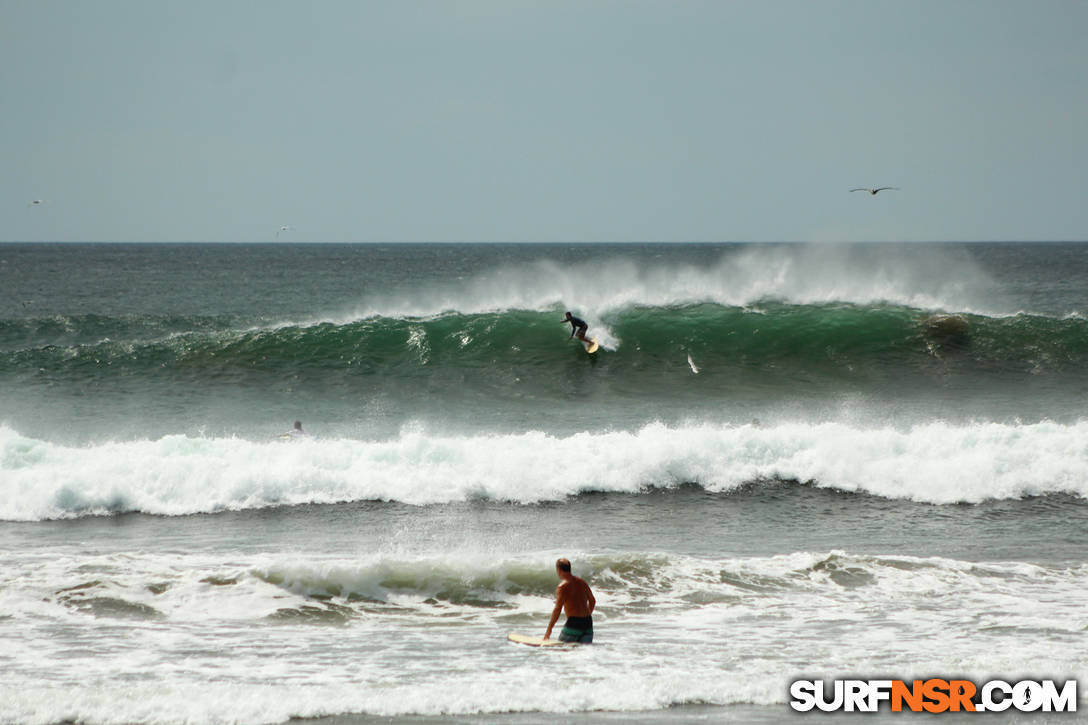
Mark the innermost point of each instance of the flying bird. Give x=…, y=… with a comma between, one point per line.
x=874, y=191
x=36, y=202
x=283, y=229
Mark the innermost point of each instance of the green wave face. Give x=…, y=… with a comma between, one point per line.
x=771, y=341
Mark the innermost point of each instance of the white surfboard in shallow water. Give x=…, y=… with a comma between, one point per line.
x=538, y=641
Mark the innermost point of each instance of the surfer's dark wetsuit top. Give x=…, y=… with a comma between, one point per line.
x=577, y=324
x=577, y=629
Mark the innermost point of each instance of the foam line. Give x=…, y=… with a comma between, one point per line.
x=175, y=475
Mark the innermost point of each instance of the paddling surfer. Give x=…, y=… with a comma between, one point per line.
x=296, y=432
x=574, y=596
x=578, y=327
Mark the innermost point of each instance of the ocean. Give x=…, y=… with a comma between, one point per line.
x=787, y=461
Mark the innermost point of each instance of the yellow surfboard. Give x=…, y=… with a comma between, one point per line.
x=537, y=641
x=591, y=346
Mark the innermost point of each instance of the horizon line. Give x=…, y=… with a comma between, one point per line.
x=271, y=242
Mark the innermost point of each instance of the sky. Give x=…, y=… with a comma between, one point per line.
x=543, y=120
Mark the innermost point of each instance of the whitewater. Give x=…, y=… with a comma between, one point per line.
x=786, y=461
x=178, y=475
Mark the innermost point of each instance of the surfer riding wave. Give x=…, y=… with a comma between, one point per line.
x=578, y=327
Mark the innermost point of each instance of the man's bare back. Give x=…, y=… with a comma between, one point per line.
x=575, y=596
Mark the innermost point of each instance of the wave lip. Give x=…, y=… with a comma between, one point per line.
x=934, y=463
x=937, y=278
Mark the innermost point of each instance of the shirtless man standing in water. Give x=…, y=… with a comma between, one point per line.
x=574, y=595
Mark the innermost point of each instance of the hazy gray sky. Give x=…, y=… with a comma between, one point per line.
x=519, y=120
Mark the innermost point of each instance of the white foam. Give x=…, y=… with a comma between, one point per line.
x=936, y=463
x=939, y=279
x=214, y=658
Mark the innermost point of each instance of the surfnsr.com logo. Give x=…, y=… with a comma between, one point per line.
x=934, y=695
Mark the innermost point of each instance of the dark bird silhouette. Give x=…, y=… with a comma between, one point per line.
x=874, y=191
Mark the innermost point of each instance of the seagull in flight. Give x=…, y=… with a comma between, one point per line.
x=285, y=228
x=874, y=191
x=36, y=202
